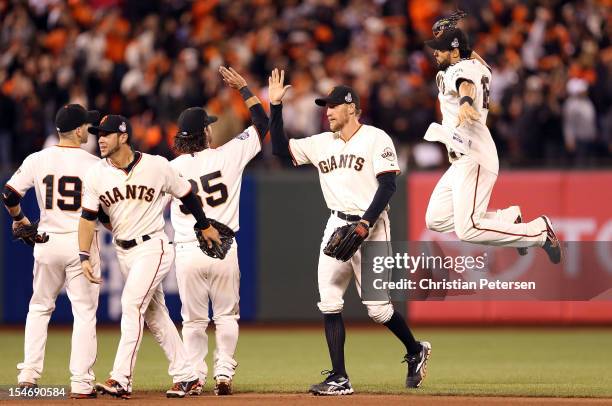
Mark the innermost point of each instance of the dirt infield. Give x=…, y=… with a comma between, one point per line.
x=251, y=399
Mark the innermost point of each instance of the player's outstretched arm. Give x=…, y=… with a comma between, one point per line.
x=258, y=114
x=86, y=235
x=276, y=92
x=467, y=94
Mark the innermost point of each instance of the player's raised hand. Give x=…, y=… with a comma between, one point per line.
x=276, y=90
x=88, y=272
x=467, y=114
x=232, y=78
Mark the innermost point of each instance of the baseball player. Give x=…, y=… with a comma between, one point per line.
x=216, y=176
x=460, y=199
x=357, y=167
x=56, y=175
x=130, y=187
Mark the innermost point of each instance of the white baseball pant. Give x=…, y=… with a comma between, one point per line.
x=459, y=203
x=56, y=264
x=144, y=267
x=201, y=278
x=334, y=275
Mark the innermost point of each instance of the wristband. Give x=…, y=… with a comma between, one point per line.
x=19, y=216
x=83, y=256
x=203, y=226
x=466, y=99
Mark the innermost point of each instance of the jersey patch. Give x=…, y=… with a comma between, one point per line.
x=243, y=136
x=388, y=154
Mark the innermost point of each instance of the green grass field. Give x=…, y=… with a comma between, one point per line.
x=501, y=362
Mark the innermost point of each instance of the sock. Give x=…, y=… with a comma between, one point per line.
x=399, y=327
x=335, y=335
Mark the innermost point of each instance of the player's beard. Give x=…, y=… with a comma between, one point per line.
x=444, y=64
x=111, y=151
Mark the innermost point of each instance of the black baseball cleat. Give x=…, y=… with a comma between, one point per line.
x=522, y=250
x=223, y=385
x=333, y=385
x=180, y=389
x=91, y=395
x=417, y=365
x=113, y=388
x=26, y=385
x=552, y=246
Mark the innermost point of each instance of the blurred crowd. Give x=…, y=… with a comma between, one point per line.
x=148, y=60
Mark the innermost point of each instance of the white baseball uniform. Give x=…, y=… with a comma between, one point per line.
x=134, y=200
x=216, y=174
x=56, y=175
x=460, y=199
x=347, y=172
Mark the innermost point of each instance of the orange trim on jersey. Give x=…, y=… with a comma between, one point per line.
x=14, y=190
x=140, y=313
x=131, y=165
x=488, y=229
x=291, y=153
x=383, y=172
x=66, y=146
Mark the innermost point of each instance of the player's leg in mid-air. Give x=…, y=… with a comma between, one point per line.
x=440, y=212
x=472, y=188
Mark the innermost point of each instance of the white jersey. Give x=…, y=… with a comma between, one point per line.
x=133, y=198
x=472, y=139
x=347, y=170
x=56, y=175
x=216, y=175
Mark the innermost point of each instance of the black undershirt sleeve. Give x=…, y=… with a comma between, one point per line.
x=258, y=114
x=103, y=217
x=10, y=197
x=280, y=143
x=90, y=215
x=386, y=188
x=191, y=202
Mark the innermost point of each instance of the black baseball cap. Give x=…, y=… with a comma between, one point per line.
x=339, y=95
x=112, y=123
x=73, y=116
x=448, y=40
x=194, y=120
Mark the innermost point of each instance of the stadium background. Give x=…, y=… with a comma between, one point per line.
x=551, y=118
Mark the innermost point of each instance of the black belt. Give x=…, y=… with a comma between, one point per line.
x=127, y=244
x=346, y=217
x=454, y=154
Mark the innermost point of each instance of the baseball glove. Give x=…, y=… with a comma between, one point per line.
x=345, y=241
x=226, y=235
x=447, y=22
x=28, y=234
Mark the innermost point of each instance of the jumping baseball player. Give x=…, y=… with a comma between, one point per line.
x=460, y=199
x=130, y=187
x=357, y=167
x=216, y=176
x=56, y=175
